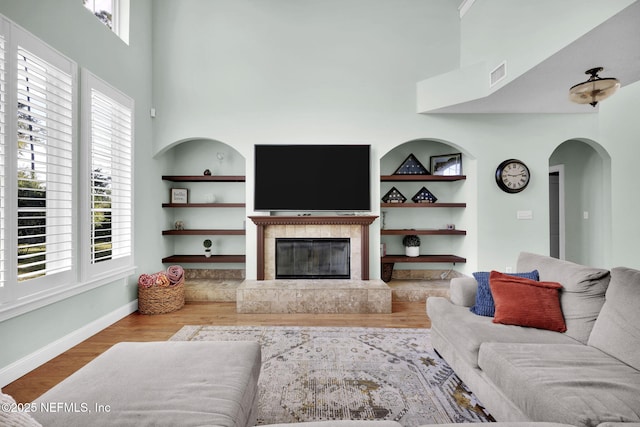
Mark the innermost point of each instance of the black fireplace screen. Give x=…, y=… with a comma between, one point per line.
x=313, y=258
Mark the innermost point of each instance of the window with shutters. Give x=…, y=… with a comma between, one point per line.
x=3, y=132
x=109, y=133
x=44, y=167
x=65, y=206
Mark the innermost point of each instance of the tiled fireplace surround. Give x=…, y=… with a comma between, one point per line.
x=355, y=295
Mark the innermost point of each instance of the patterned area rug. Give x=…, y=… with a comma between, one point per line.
x=330, y=373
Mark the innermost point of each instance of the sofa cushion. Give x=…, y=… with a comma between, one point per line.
x=582, y=294
x=466, y=332
x=565, y=383
x=617, y=330
x=485, y=305
x=173, y=383
x=526, y=302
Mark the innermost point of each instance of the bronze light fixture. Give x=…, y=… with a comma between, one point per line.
x=595, y=89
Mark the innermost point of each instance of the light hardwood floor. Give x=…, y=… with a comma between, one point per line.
x=137, y=327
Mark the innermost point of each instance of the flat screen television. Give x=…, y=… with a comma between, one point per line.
x=312, y=178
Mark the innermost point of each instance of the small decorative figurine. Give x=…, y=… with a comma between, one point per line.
x=207, y=172
x=179, y=225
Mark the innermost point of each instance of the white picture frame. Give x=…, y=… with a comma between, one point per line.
x=179, y=196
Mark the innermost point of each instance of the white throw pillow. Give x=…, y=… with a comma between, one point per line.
x=10, y=416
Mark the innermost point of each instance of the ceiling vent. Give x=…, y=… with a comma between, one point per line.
x=498, y=73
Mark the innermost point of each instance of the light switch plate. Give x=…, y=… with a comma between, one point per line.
x=524, y=215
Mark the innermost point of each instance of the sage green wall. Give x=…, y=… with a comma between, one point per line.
x=585, y=189
x=517, y=31
x=71, y=29
x=620, y=129
x=282, y=72
x=338, y=71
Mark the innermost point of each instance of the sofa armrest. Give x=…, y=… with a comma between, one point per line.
x=463, y=290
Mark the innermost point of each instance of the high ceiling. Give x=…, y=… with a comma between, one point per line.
x=613, y=45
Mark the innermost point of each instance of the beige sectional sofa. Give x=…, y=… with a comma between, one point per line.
x=170, y=383
x=586, y=376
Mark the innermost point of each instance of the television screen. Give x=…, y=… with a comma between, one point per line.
x=312, y=178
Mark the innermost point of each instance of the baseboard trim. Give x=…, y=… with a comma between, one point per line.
x=12, y=372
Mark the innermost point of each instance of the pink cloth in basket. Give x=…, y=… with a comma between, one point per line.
x=175, y=273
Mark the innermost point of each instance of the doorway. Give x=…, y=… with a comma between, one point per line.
x=556, y=212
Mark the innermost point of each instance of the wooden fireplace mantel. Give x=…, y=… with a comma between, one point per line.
x=362, y=220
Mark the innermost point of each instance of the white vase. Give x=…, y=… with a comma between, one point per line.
x=412, y=250
x=207, y=253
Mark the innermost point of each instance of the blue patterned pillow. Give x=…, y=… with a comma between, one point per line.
x=484, y=305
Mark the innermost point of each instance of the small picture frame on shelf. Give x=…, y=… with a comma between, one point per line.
x=447, y=164
x=179, y=196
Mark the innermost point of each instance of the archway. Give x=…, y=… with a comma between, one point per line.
x=442, y=228
x=205, y=229
x=584, y=167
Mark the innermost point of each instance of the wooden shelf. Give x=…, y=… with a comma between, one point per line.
x=423, y=205
x=189, y=259
x=403, y=232
x=204, y=232
x=203, y=259
x=390, y=259
x=204, y=178
x=203, y=205
x=423, y=177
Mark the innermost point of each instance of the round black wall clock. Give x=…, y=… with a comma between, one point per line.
x=512, y=176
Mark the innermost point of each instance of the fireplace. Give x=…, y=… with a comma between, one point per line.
x=355, y=228
x=313, y=258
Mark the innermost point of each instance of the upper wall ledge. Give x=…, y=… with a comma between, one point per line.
x=537, y=77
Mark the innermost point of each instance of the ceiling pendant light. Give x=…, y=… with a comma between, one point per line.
x=593, y=90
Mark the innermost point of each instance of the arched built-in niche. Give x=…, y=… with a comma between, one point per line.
x=586, y=167
x=435, y=220
x=216, y=204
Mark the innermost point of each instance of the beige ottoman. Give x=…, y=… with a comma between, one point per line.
x=169, y=383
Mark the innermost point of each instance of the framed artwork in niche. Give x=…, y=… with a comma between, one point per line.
x=411, y=166
x=179, y=196
x=447, y=164
x=424, y=196
x=394, y=196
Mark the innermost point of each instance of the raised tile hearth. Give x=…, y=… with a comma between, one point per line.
x=354, y=227
x=313, y=296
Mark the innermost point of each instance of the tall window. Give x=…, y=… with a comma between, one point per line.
x=44, y=167
x=110, y=175
x=65, y=207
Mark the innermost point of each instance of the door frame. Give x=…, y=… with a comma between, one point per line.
x=559, y=169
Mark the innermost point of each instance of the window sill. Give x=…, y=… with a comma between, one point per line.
x=37, y=301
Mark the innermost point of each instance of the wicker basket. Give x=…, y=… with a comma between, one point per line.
x=158, y=300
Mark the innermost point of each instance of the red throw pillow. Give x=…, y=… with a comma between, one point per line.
x=526, y=302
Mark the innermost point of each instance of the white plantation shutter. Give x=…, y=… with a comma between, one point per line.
x=44, y=167
x=111, y=187
x=3, y=132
